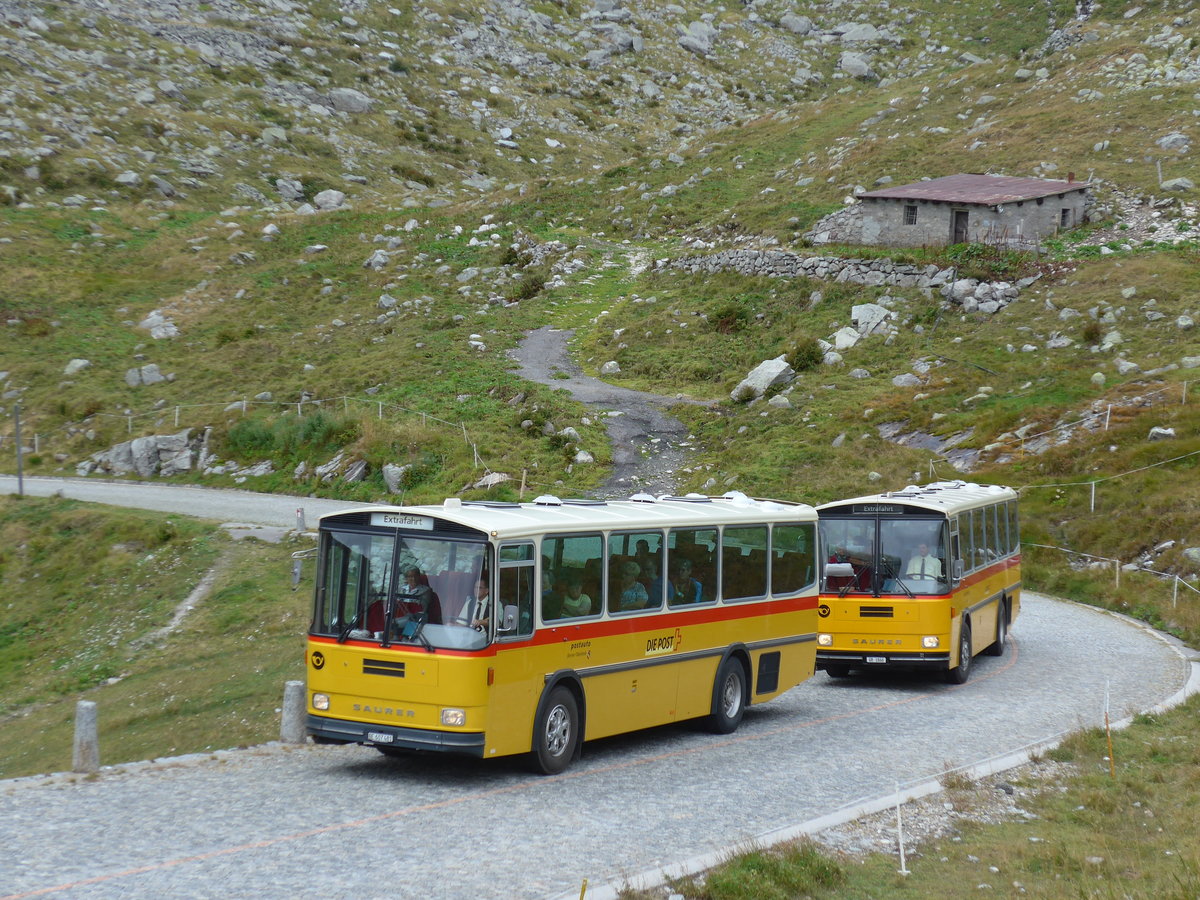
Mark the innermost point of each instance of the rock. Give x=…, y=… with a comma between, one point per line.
x=583, y=457
x=766, y=375
x=491, y=479
x=610, y=368
x=1125, y=367
x=796, y=24
x=329, y=199
x=394, y=476
x=1178, y=184
x=1098, y=379
x=870, y=317
x=349, y=100
x=845, y=338
x=1190, y=362
x=75, y=366
x=906, y=380
x=1192, y=554
x=1176, y=140
x=289, y=188
x=698, y=38
x=857, y=65
x=355, y=472
x=779, y=401
x=1158, y=433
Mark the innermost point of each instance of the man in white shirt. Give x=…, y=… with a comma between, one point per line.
x=923, y=565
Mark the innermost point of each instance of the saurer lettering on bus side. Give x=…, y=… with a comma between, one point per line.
x=664, y=643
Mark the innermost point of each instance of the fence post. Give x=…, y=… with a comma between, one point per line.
x=291, y=728
x=85, y=757
x=1117, y=571
x=177, y=417
x=1175, y=592
x=381, y=410
x=129, y=424
x=1107, y=416
x=1093, y=509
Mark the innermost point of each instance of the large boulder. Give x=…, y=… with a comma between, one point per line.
x=766, y=375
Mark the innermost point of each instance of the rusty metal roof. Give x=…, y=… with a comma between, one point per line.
x=988, y=190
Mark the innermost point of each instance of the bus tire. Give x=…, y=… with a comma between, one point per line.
x=838, y=671
x=556, y=732
x=729, y=697
x=960, y=673
x=997, y=647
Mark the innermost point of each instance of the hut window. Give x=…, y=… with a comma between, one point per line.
x=910, y=215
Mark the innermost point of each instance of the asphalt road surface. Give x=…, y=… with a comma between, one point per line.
x=333, y=822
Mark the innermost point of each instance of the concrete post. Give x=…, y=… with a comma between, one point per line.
x=291, y=730
x=86, y=755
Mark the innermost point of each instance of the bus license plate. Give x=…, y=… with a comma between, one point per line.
x=380, y=738
x=876, y=659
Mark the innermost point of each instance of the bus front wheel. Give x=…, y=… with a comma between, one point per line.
x=729, y=698
x=960, y=673
x=838, y=671
x=556, y=733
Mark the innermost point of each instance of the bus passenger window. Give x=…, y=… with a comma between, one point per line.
x=744, y=562
x=792, y=548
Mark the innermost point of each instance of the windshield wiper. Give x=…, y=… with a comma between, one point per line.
x=896, y=578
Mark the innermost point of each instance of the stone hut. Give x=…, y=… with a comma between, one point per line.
x=985, y=209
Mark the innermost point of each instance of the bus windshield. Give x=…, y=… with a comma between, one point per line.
x=397, y=588
x=884, y=556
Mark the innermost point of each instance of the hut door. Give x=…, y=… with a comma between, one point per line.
x=958, y=227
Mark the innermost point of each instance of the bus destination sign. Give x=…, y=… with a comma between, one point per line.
x=402, y=520
x=878, y=509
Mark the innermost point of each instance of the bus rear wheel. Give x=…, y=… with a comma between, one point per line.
x=556, y=733
x=729, y=698
x=997, y=649
x=960, y=673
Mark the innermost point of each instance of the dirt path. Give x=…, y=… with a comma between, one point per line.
x=649, y=446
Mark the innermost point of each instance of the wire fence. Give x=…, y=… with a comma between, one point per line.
x=1176, y=580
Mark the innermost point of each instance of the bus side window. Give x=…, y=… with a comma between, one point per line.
x=792, y=568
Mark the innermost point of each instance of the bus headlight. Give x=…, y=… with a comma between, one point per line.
x=824, y=640
x=455, y=717
x=320, y=701
x=930, y=641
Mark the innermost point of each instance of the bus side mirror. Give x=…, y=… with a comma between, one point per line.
x=958, y=569
x=510, y=619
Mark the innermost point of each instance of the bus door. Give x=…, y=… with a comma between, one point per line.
x=517, y=684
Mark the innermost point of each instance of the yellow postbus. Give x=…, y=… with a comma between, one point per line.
x=926, y=577
x=491, y=629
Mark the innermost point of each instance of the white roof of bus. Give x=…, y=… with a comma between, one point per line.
x=946, y=497
x=549, y=514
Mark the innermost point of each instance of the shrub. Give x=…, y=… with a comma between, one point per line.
x=729, y=318
x=805, y=354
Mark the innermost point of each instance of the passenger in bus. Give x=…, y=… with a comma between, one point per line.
x=923, y=565
x=652, y=581
x=553, y=596
x=630, y=592
x=683, y=588
x=576, y=602
x=417, y=596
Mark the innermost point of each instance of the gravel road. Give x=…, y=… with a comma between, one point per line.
x=648, y=444
x=332, y=822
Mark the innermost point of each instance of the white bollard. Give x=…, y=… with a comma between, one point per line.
x=86, y=755
x=291, y=729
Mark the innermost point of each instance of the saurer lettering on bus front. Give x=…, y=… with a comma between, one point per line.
x=664, y=643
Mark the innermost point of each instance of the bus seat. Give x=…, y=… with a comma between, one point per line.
x=375, y=616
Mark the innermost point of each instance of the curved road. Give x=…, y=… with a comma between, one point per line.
x=276, y=821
